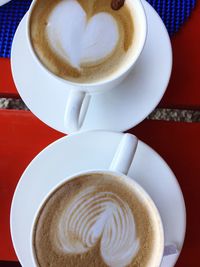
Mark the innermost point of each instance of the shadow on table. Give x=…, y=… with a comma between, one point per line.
x=9, y=264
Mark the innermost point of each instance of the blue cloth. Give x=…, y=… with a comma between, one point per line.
x=172, y=12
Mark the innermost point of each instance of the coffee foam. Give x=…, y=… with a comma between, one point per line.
x=78, y=39
x=94, y=216
x=99, y=45
x=95, y=220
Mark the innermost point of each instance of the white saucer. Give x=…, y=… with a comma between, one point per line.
x=89, y=151
x=2, y=2
x=119, y=109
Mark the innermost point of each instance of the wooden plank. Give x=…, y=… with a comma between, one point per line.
x=184, y=87
x=22, y=136
x=9, y=264
x=7, y=86
x=183, y=90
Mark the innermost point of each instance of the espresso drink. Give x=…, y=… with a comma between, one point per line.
x=81, y=40
x=96, y=220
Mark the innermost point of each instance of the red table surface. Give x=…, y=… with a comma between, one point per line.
x=183, y=89
x=23, y=136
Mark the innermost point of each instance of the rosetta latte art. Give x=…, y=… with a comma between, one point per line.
x=94, y=216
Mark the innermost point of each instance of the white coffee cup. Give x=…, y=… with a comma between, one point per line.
x=119, y=167
x=77, y=102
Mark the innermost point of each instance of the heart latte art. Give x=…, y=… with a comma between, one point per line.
x=94, y=220
x=81, y=40
x=99, y=217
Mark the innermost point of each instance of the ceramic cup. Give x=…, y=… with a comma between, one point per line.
x=79, y=94
x=119, y=167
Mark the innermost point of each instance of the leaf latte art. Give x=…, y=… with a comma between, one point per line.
x=94, y=216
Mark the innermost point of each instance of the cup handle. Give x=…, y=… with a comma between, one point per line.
x=75, y=111
x=125, y=153
x=121, y=163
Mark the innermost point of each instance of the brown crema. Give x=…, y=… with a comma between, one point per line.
x=47, y=253
x=88, y=73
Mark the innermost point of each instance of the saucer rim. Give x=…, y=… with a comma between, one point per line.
x=4, y=2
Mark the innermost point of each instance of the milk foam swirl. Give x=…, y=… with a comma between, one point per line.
x=80, y=40
x=93, y=216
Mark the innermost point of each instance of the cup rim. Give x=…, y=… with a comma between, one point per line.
x=139, y=189
x=81, y=84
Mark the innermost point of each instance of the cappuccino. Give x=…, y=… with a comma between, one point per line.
x=96, y=220
x=81, y=40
